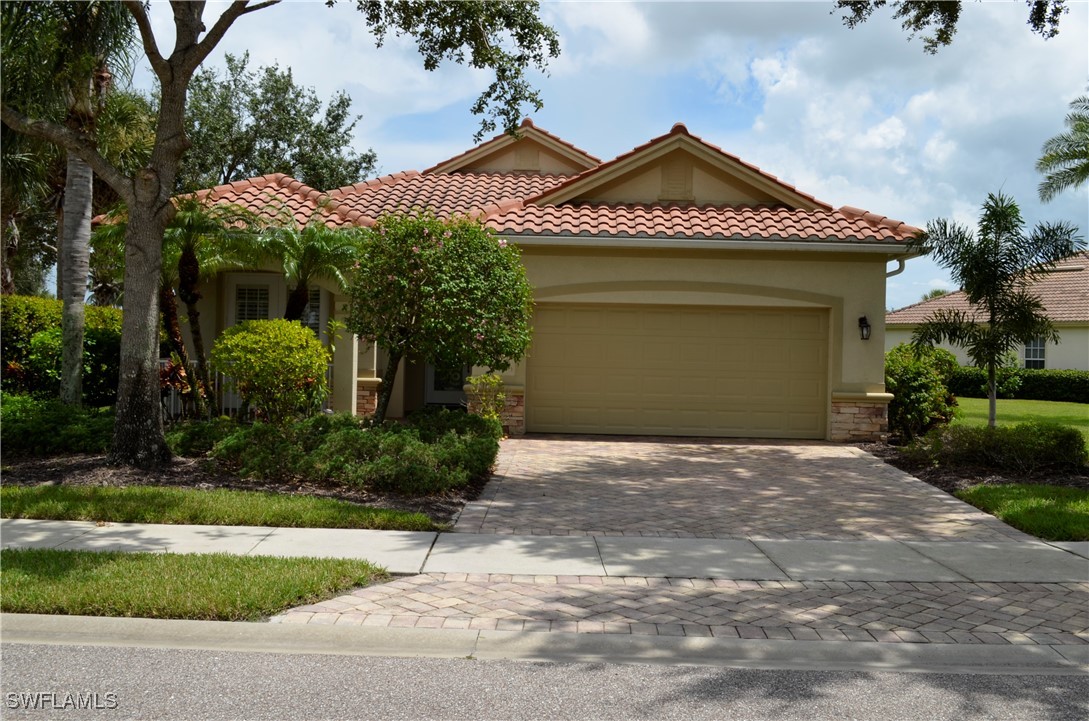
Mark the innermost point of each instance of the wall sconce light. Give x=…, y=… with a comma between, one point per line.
x=864, y=328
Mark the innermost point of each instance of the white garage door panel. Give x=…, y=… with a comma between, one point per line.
x=678, y=371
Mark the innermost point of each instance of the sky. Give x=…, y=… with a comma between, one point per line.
x=861, y=117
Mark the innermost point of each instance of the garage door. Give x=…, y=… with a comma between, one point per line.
x=670, y=370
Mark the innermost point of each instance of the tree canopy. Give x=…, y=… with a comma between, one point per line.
x=447, y=292
x=245, y=123
x=995, y=267
x=505, y=36
x=938, y=18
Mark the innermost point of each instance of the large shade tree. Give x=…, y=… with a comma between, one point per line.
x=505, y=37
x=995, y=267
x=245, y=123
x=449, y=293
x=938, y=19
x=59, y=60
x=1065, y=158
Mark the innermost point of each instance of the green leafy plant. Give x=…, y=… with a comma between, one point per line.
x=277, y=366
x=1034, y=384
x=44, y=426
x=1026, y=448
x=196, y=438
x=917, y=379
x=486, y=397
x=101, y=364
x=449, y=292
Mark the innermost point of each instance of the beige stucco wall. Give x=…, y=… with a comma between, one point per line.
x=848, y=286
x=1070, y=353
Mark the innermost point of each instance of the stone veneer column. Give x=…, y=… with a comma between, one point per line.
x=859, y=417
x=366, y=396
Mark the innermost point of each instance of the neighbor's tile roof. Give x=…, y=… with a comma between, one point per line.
x=271, y=196
x=1063, y=292
x=445, y=194
x=691, y=221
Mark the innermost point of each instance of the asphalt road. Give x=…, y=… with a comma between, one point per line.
x=156, y=683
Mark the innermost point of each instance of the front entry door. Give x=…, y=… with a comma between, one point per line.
x=445, y=386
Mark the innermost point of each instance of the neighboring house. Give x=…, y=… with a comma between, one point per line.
x=679, y=290
x=1064, y=293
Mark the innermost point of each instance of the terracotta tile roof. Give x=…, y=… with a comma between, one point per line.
x=526, y=123
x=270, y=195
x=703, y=222
x=1063, y=292
x=446, y=195
x=677, y=129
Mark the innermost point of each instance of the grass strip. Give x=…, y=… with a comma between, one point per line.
x=1053, y=513
x=216, y=587
x=155, y=504
x=973, y=412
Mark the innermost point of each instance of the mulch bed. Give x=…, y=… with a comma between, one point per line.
x=93, y=470
x=955, y=479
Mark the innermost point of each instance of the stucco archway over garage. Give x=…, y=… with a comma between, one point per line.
x=678, y=370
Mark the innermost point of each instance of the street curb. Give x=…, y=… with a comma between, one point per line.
x=550, y=647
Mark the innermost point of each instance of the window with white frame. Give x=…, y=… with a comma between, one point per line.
x=311, y=316
x=1034, y=353
x=251, y=302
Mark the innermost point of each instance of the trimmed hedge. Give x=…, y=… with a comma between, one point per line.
x=1026, y=448
x=23, y=317
x=32, y=426
x=1066, y=386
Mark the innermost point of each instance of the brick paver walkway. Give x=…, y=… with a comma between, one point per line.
x=714, y=489
x=995, y=613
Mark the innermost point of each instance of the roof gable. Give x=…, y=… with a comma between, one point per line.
x=534, y=151
x=679, y=167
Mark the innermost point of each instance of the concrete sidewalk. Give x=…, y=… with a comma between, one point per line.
x=403, y=552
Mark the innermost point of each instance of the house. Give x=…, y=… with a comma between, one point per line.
x=1064, y=293
x=679, y=290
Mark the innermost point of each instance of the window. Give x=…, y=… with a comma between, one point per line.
x=250, y=303
x=1034, y=353
x=311, y=315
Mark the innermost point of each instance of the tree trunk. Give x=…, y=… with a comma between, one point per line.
x=296, y=302
x=188, y=283
x=76, y=264
x=138, y=429
x=385, y=391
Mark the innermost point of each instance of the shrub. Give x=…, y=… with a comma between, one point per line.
x=1065, y=386
x=23, y=317
x=196, y=438
x=971, y=382
x=1026, y=448
x=101, y=364
x=917, y=379
x=405, y=464
x=261, y=450
x=277, y=366
x=433, y=422
x=486, y=397
x=45, y=426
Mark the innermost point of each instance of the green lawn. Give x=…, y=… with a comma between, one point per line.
x=153, y=504
x=1053, y=513
x=973, y=412
x=214, y=587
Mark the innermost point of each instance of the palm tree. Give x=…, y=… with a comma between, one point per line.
x=309, y=253
x=1065, y=159
x=203, y=239
x=995, y=269
x=60, y=55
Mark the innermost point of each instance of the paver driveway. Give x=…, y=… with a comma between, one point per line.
x=714, y=488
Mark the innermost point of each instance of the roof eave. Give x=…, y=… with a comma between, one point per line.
x=583, y=241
